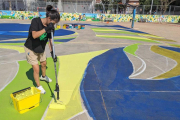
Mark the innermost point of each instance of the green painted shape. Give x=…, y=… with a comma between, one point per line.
x=131, y=49
x=24, y=79
x=101, y=29
x=129, y=38
x=174, y=45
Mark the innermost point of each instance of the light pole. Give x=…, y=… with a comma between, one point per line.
x=151, y=7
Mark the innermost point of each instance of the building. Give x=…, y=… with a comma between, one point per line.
x=80, y=6
x=69, y=6
x=134, y=2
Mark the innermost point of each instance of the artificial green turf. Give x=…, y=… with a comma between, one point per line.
x=128, y=38
x=132, y=49
x=24, y=79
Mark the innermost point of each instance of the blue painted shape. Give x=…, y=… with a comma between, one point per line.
x=171, y=48
x=119, y=27
x=63, y=40
x=10, y=31
x=6, y=37
x=87, y=105
x=14, y=27
x=23, y=41
x=93, y=103
x=25, y=34
x=18, y=41
x=126, y=98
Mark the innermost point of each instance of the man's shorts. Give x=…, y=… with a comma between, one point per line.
x=33, y=58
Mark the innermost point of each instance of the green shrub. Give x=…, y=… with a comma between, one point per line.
x=179, y=21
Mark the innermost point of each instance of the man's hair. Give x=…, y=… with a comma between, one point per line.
x=52, y=13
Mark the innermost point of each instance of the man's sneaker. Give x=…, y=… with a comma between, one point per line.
x=46, y=78
x=41, y=89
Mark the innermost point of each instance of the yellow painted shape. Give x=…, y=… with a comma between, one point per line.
x=19, y=49
x=147, y=35
x=161, y=39
x=174, y=45
x=72, y=68
x=115, y=36
x=171, y=54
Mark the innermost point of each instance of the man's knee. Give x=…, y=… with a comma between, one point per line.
x=43, y=64
x=36, y=68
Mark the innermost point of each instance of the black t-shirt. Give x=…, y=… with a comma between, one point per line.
x=37, y=45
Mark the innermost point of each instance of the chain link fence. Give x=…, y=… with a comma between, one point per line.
x=86, y=6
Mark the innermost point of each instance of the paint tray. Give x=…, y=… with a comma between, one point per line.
x=26, y=99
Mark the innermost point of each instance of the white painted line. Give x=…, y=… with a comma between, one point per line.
x=166, y=63
x=44, y=115
x=164, y=71
x=143, y=68
x=10, y=75
x=78, y=114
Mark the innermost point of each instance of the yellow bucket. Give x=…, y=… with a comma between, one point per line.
x=26, y=99
x=58, y=26
x=64, y=26
x=79, y=26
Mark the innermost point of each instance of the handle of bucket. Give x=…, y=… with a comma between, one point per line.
x=10, y=101
x=30, y=107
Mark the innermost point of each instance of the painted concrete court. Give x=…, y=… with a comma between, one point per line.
x=106, y=71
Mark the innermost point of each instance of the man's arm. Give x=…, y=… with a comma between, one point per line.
x=36, y=34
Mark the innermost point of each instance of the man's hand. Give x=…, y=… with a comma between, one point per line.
x=54, y=59
x=49, y=28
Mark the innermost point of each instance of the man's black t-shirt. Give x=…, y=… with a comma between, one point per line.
x=37, y=45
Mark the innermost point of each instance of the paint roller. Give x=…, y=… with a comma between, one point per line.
x=56, y=103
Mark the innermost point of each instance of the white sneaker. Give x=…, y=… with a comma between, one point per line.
x=46, y=78
x=41, y=89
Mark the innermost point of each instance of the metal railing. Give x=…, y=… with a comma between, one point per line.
x=87, y=7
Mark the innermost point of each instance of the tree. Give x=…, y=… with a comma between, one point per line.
x=148, y=2
x=165, y=4
x=106, y=4
x=125, y=6
x=10, y=5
